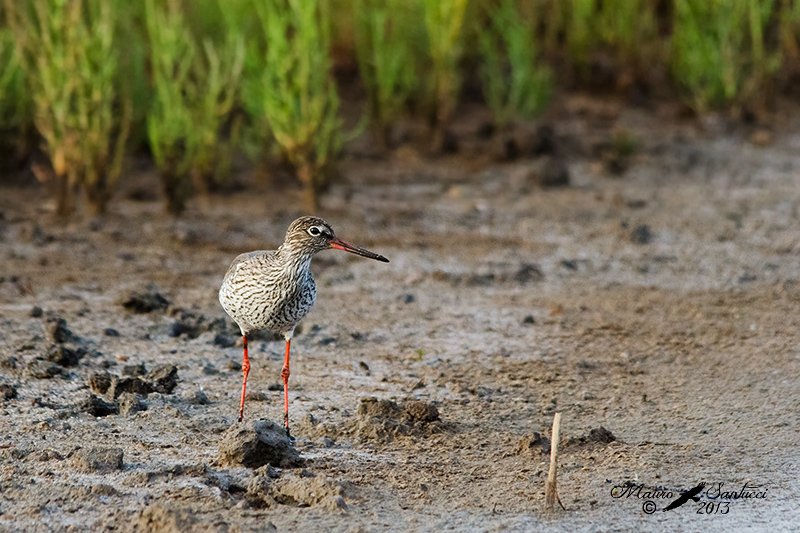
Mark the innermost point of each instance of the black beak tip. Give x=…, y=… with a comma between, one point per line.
x=382, y=259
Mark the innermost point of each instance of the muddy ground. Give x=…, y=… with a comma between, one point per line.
x=655, y=297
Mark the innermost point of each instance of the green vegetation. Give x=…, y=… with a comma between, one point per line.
x=15, y=103
x=444, y=21
x=187, y=76
x=515, y=83
x=719, y=51
x=386, y=57
x=69, y=57
x=292, y=89
x=194, y=90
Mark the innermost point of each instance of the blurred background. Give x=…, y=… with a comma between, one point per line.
x=216, y=95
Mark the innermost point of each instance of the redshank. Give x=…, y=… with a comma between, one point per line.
x=274, y=290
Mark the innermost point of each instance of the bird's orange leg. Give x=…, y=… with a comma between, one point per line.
x=245, y=371
x=285, y=375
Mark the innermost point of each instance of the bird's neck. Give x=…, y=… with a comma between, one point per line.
x=294, y=261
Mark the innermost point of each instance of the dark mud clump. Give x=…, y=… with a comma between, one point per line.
x=56, y=330
x=161, y=379
x=382, y=420
x=7, y=391
x=98, y=407
x=257, y=443
x=535, y=443
x=596, y=436
x=145, y=302
x=63, y=355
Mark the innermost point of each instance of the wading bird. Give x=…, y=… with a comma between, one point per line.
x=274, y=290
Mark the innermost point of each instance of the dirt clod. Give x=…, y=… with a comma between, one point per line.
x=131, y=403
x=257, y=443
x=164, y=378
x=598, y=435
x=145, y=302
x=98, y=407
x=97, y=459
x=382, y=420
x=41, y=369
x=642, y=234
x=7, y=391
x=63, y=355
x=100, y=382
x=134, y=370
x=315, y=490
x=418, y=411
x=120, y=386
x=533, y=443
x=56, y=330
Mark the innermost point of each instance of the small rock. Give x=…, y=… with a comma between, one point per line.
x=528, y=273
x=210, y=370
x=119, y=386
x=164, y=378
x=233, y=366
x=56, y=330
x=196, y=397
x=41, y=369
x=134, y=370
x=256, y=444
x=63, y=355
x=7, y=391
x=98, y=407
x=148, y=302
x=36, y=312
x=641, y=234
x=8, y=363
x=98, y=459
x=601, y=435
x=131, y=403
x=529, y=320
x=224, y=341
x=111, y=332
x=409, y=298
x=257, y=396
x=100, y=382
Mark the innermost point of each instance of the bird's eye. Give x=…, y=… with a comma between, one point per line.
x=313, y=231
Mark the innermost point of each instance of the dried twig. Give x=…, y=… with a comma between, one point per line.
x=551, y=488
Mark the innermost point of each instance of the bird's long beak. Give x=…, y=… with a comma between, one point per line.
x=339, y=244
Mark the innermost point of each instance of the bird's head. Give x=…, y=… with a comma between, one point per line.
x=312, y=234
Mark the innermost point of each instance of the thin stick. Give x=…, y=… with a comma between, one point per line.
x=551, y=488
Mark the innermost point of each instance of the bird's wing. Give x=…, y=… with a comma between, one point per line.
x=245, y=258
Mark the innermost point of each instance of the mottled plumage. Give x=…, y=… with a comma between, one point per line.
x=274, y=290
